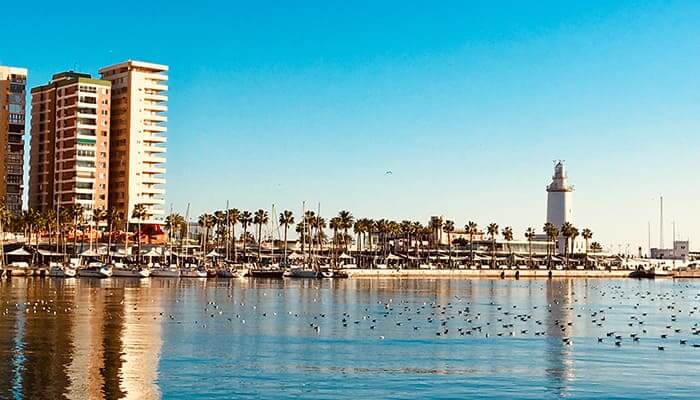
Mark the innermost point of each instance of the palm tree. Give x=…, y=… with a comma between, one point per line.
x=206, y=222
x=417, y=231
x=286, y=219
x=50, y=223
x=139, y=213
x=508, y=237
x=309, y=223
x=221, y=223
x=4, y=221
x=76, y=212
x=596, y=247
x=360, y=228
x=552, y=233
x=383, y=230
x=319, y=225
x=98, y=215
x=260, y=218
x=472, y=229
x=346, y=221
x=492, y=230
x=174, y=223
x=371, y=229
x=114, y=217
x=436, y=225
x=335, y=224
x=566, y=232
x=246, y=218
x=574, y=234
x=406, y=228
x=301, y=230
x=233, y=216
x=449, y=227
x=530, y=236
x=587, y=234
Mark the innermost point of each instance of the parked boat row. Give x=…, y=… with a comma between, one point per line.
x=101, y=270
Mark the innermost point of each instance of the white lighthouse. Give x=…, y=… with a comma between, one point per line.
x=560, y=201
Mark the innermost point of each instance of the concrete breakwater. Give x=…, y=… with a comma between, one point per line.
x=487, y=273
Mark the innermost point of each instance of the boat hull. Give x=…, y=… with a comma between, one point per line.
x=130, y=273
x=193, y=274
x=95, y=273
x=263, y=273
x=62, y=273
x=301, y=273
x=165, y=273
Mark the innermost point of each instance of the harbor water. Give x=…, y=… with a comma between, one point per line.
x=349, y=338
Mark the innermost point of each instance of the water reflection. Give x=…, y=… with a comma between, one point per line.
x=559, y=327
x=375, y=338
x=77, y=339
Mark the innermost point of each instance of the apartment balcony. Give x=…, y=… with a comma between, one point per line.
x=155, y=107
x=153, y=151
x=82, y=125
x=150, y=200
x=84, y=191
x=155, y=97
x=154, y=128
x=156, y=86
x=154, y=138
x=158, y=77
x=154, y=160
x=152, y=190
x=149, y=169
x=155, y=118
x=152, y=179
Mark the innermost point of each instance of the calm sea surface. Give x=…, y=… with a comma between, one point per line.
x=370, y=339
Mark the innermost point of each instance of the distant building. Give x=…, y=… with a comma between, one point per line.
x=13, y=93
x=138, y=126
x=69, y=156
x=680, y=251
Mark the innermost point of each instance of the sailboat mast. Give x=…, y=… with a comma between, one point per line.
x=187, y=227
x=228, y=229
x=303, y=230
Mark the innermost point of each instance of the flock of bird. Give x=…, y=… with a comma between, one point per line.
x=616, y=315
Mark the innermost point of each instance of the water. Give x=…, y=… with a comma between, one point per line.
x=254, y=338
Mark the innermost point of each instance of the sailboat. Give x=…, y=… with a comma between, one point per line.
x=311, y=269
x=59, y=270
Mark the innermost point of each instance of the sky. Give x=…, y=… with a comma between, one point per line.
x=467, y=103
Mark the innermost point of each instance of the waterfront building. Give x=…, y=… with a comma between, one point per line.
x=13, y=82
x=69, y=155
x=138, y=127
x=680, y=251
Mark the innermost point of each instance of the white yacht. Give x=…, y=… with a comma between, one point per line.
x=121, y=270
x=95, y=270
x=301, y=272
x=19, y=268
x=192, y=272
x=172, y=272
x=58, y=270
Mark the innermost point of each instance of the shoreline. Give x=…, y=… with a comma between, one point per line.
x=505, y=274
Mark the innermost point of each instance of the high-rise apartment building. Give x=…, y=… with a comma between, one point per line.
x=13, y=82
x=138, y=126
x=69, y=156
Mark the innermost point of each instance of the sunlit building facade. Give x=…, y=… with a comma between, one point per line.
x=138, y=127
x=69, y=156
x=13, y=83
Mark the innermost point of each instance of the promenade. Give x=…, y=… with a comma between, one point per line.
x=486, y=273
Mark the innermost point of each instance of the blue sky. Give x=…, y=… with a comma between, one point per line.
x=466, y=102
